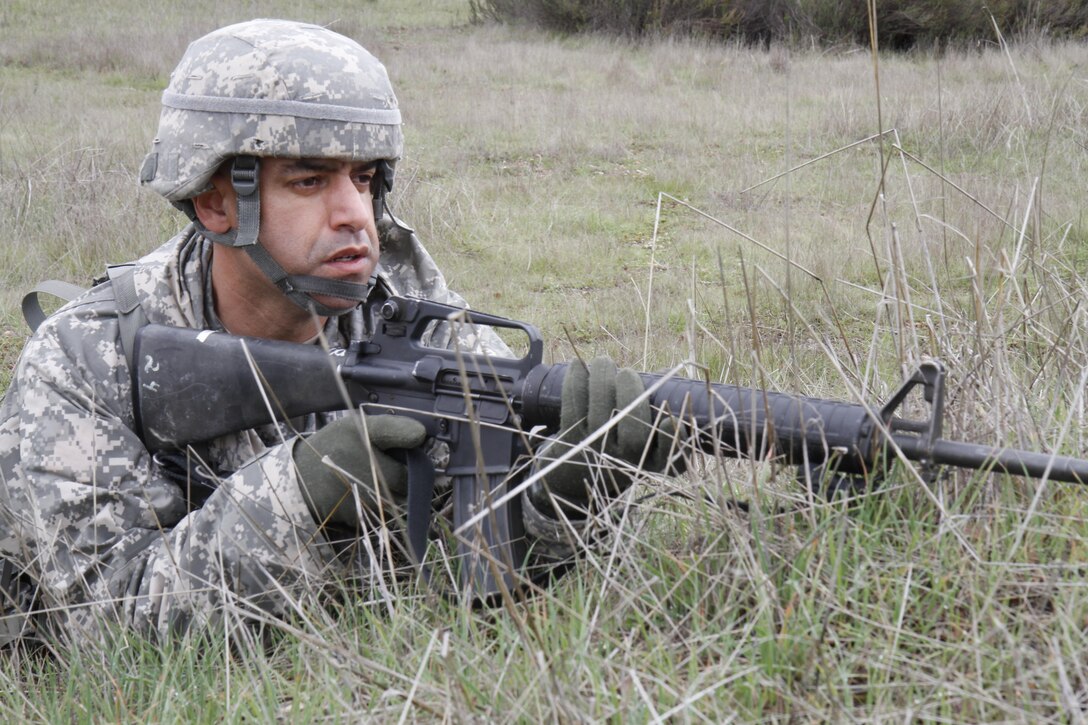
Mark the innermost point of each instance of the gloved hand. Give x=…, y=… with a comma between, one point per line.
x=328, y=491
x=589, y=399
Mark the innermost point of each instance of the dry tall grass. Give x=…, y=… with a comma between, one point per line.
x=535, y=171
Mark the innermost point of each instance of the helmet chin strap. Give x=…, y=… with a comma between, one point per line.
x=298, y=288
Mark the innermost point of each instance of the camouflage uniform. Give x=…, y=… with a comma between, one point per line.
x=97, y=524
x=95, y=518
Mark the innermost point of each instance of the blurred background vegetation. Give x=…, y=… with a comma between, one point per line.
x=903, y=24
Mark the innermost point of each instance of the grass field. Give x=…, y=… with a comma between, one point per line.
x=794, y=219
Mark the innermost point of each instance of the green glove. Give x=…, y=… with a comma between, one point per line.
x=328, y=490
x=590, y=396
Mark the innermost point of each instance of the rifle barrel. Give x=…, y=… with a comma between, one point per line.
x=739, y=421
x=1006, y=460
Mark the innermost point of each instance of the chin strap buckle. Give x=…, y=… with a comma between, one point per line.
x=243, y=175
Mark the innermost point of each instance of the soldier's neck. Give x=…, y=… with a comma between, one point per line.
x=248, y=304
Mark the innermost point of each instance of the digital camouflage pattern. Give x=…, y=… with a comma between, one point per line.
x=99, y=523
x=270, y=88
x=109, y=534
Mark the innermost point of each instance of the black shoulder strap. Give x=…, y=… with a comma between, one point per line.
x=130, y=315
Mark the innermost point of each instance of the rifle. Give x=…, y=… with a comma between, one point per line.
x=192, y=385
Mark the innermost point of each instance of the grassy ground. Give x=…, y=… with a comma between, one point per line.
x=571, y=183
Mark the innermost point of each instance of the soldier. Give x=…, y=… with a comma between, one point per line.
x=279, y=141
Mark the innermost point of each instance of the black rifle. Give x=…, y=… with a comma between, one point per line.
x=195, y=385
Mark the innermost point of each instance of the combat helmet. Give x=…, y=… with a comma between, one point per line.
x=272, y=88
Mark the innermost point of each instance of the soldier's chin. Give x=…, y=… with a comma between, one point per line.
x=337, y=305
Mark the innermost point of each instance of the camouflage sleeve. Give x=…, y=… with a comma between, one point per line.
x=111, y=538
x=410, y=270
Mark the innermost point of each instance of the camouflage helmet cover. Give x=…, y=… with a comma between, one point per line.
x=270, y=88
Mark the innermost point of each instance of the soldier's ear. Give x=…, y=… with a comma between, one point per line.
x=216, y=208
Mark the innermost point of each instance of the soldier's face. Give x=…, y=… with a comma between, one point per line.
x=317, y=218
